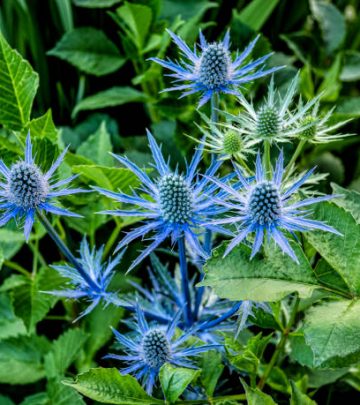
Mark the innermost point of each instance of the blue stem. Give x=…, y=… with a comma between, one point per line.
x=185, y=281
x=65, y=250
x=217, y=321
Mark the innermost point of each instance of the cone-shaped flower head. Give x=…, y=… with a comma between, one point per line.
x=321, y=131
x=276, y=119
x=269, y=205
x=151, y=346
x=176, y=204
x=224, y=140
x=27, y=189
x=212, y=70
x=93, y=285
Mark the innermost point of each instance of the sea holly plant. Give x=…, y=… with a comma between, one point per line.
x=166, y=267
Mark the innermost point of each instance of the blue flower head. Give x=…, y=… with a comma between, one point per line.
x=212, y=70
x=27, y=189
x=98, y=276
x=269, y=205
x=151, y=346
x=173, y=204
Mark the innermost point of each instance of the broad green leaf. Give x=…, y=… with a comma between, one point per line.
x=64, y=351
x=6, y=400
x=211, y=369
x=331, y=21
x=109, y=98
x=10, y=325
x=174, y=380
x=95, y=3
x=108, y=386
x=89, y=50
x=60, y=394
x=111, y=178
x=270, y=278
x=98, y=335
x=332, y=331
x=43, y=127
x=256, y=397
x=351, y=67
x=30, y=303
x=349, y=201
x=21, y=360
x=18, y=83
x=97, y=147
x=256, y=13
x=40, y=398
x=298, y=397
x=11, y=240
x=137, y=20
x=348, y=107
x=338, y=251
x=331, y=85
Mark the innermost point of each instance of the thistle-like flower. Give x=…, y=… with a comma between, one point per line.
x=151, y=346
x=225, y=141
x=320, y=131
x=273, y=120
x=26, y=189
x=268, y=205
x=94, y=287
x=212, y=70
x=176, y=205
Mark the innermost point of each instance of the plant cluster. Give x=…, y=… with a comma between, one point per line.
x=229, y=276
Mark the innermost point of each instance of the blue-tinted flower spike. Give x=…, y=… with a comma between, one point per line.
x=151, y=346
x=212, y=70
x=276, y=119
x=173, y=204
x=99, y=272
x=269, y=206
x=27, y=189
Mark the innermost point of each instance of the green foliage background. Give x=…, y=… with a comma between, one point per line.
x=88, y=83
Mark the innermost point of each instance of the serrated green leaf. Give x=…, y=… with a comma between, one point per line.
x=137, y=19
x=110, y=98
x=21, y=360
x=262, y=279
x=64, y=351
x=332, y=331
x=338, y=251
x=111, y=178
x=97, y=147
x=90, y=50
x=18, y=83
x=108, y=386
x=349, y=201
x=43, y=127
x=298, y=397
x=174, y=380
x=32, y=305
